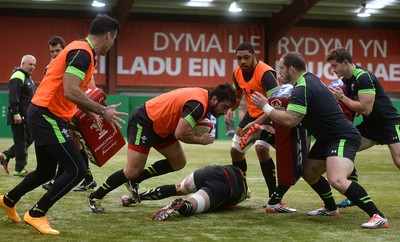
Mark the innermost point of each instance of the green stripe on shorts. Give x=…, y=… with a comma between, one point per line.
x=397, y=128
x=341, y=148
x=56, y=130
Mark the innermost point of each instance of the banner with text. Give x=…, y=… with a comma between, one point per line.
x=181, y=54
x=376, y=50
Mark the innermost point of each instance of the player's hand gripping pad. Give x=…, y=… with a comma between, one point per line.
x=100, y=142
x=290, y=143
x=350, y=114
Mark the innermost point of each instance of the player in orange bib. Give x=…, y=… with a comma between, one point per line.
x=53, y=105
x=250, y=76
x=161, y=123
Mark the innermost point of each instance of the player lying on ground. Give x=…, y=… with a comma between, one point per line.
x=212, y=187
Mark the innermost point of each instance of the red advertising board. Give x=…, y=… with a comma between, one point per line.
x=180, y=54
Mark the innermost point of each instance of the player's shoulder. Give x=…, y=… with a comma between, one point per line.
x=264, y=66
x=18, y=74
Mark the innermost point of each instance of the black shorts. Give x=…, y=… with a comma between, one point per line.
x=221, y=190
x=141, y=136
x=341, y=148
x=384, y=135
x=47, y=128
x=245, y=120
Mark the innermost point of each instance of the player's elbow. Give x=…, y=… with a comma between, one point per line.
x=68, y=94
x=290, y=121
x=181, y=136
x=291, y=124
x=366, y=112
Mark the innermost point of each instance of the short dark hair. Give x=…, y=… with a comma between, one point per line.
x=245, y=46
x=224, y=92
x=294, y=59
x=339, y=55
x=56, y=40
x=103, y=24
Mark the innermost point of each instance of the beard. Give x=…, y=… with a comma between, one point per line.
x=246, y=68
x=285, y=80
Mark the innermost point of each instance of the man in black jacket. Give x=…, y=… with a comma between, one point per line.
x=21, y=90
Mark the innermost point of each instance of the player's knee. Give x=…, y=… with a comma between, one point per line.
x=339, y=183
x=236, y=151
x=262, y=145
x=309, y=176
x=306, y=178
x=130, y=176
x=48, y=176
x=199, y=202
x=187, y=186
x=262, y=150
x=131, y=172
x=178, y=164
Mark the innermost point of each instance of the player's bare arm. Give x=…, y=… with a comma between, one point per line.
x=76, y=95
x=185, y=133
x=286, y=118
x=297, y=117
x=363, y=105
x=73, y=93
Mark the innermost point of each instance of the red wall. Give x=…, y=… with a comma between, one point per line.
x=21, y=36
x=175, y=54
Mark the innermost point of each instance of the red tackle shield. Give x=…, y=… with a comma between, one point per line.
x=100, y=142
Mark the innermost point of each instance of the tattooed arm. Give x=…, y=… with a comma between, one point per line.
x=286, y=118
x=296, y=118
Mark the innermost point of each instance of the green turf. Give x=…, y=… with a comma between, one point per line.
x=249, y=222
